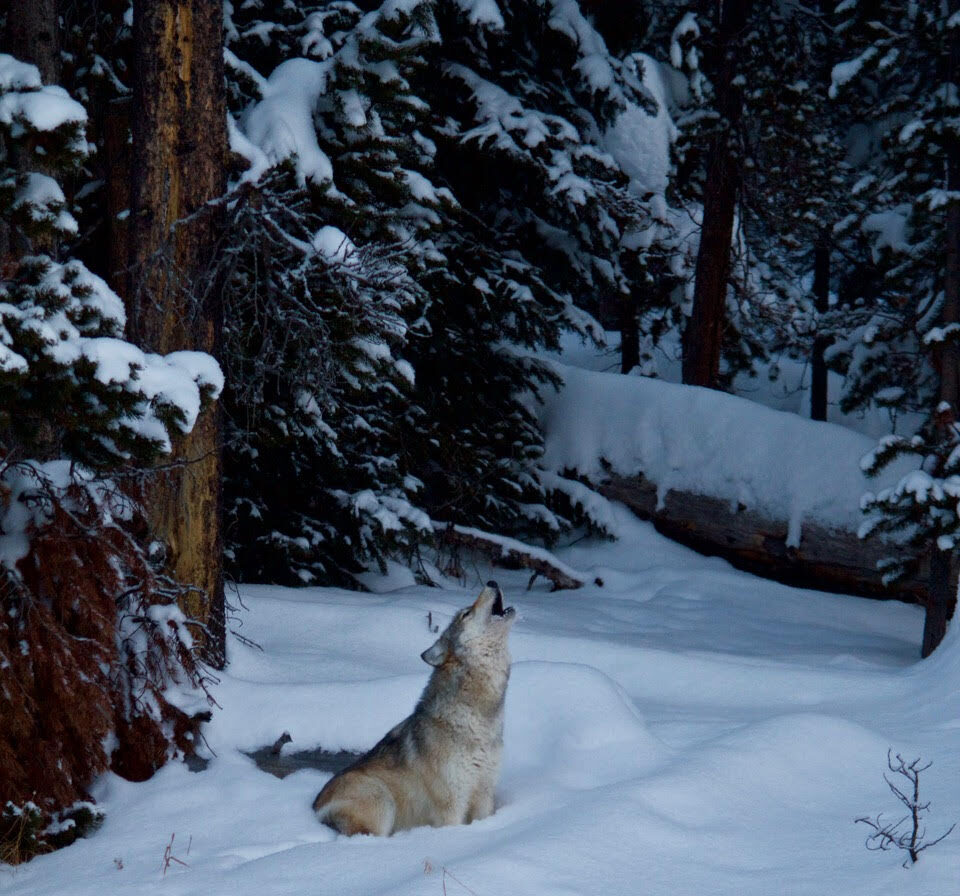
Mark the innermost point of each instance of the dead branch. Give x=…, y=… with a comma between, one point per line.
x=508, y=551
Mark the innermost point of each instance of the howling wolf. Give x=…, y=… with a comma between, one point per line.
x=439, y=766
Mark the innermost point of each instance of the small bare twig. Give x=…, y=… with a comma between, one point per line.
x=169, y=857
x=444, y=874
x=887, y=835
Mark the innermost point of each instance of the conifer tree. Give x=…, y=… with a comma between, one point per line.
x=363, y=124
x=904, y=66
x=90, y=632
x=759, y=158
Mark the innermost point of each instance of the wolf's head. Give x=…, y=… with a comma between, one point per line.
x=477, y=632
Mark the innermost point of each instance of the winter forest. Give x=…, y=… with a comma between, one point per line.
x=316, y=315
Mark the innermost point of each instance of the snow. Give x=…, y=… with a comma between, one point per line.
x=844, y=72
x=41, y=195
x=44, y=109
x=640, y=142
x=333, y=244
x=685, y=729
x=782, y=384
x=281, y=124
x=710, y=443
x=17, y=75
x=890, y=229
x=482, y=12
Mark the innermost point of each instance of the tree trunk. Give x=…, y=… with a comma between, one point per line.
x=821, y=296
x=941, y=601
x=824, y=558
x=179, y=164
x=629, y=335
x=32, y=34
x=943, y=565
x=704, y=333
x=115, y=261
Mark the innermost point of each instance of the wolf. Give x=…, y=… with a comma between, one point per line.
x=440, y=765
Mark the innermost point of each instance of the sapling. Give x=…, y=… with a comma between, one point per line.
x=889, y=835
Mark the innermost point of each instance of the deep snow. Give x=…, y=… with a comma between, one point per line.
x=684, y=729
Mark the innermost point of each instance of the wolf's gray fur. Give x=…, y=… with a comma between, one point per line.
x=439, y=766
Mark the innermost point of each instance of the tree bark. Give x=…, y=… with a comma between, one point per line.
x=941, y=600
x=943, y=565
x=629, y=335
x=821, y=296
x=179, y=165
x=704, y=333
x=32, y=34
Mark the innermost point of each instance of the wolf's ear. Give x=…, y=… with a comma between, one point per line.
x=435, y=655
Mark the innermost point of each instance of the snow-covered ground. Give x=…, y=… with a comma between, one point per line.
x=683, y=729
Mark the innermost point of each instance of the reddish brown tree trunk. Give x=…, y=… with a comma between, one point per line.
x=179, y=165
x=703, y=337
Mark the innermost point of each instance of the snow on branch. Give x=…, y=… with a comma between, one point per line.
x=515, y=553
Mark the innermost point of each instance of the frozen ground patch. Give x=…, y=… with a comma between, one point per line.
x=686, y=729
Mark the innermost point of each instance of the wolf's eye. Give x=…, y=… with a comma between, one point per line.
x=466, y=613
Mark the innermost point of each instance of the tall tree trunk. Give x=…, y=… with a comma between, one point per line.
x=704, y=333
x=944, y=566
x=821, y=298
x=179, y=159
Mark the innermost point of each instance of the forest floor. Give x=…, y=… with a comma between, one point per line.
x=684, y=729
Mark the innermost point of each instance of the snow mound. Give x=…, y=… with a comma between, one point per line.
x=573, y=726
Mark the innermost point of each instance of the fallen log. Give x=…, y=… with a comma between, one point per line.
x=826, y=559
x=512, y=553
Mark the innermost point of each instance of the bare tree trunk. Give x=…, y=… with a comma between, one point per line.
x=629, y=335
x=116, y=172
x=704, y=333
x=943, y=565
x=179, y=164
x=821, y=297
x=32, y=34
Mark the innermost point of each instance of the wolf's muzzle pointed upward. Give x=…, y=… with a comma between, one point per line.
x=440, y=765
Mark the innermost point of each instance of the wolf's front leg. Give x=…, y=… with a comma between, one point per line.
x=480, y=805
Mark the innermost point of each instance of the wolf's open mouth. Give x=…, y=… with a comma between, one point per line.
x=498, y=608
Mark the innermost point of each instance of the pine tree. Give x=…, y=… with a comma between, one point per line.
x=324, y=293
x=369, y=134
x=759, y=160
x=522, y=95
x=903, y=62
x=90, y=632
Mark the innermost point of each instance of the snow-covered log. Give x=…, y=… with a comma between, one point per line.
x=827, y=558
x=513, y=553
x=769, y=491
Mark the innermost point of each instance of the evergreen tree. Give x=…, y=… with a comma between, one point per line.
x=759, y=160
x=467, y=213
x=326, y=256
x=903, y=63
x=90, y=632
